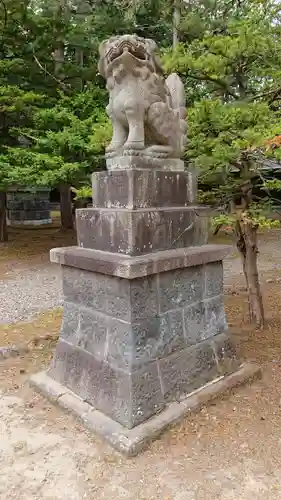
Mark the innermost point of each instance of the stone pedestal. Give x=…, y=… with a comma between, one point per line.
x=28, y=207
x=144, y=323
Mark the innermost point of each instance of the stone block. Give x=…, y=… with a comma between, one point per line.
x=112, y=189
x=143, y=297
x=118, y=302
x=102, y=386
x=146, y=396
x=171, y=336
x=85, y=288
x=204, y=319
x=226, y=354
x=195, y=323
x=134, y=189
x=137, y=232
x=163, y=229
x=70, y=322
x=215, y=316
x=132, y=441
x=214, y=279
x=120, y=344
x=93, y=333
x=143, y=162
x=129, y=300
x=180, y=288
x=128, y=267
x=127, y=398
x=108, y=295
x=28, y=207
x=131, y=346
x=187, y=370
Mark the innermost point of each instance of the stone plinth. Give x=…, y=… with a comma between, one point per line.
x=142, y=211
x=130, y=345
x=144, y=323
x=28, y=207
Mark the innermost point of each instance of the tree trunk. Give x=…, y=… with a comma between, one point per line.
x=176, y=23
x=246, y=232
x=66, y=207
x=3, y=218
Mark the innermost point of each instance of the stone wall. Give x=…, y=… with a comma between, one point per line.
x=26, y=207
x=129, y=346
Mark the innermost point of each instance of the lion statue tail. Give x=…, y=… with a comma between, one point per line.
x=178, y=103
x=177, y=93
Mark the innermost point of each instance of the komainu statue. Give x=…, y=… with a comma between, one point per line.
x=147, y=111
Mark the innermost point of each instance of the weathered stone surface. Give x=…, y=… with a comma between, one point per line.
x=128, y=398
x=120, y=344
x=157, y=131
x=143, y=298
x=215, y=316
x=118, y=302
x=214, y=279
x=112, y=189
x=131, y=346
x=187, y=370
x=124, y=266
x=143, y=162
x=147, y=397
x=171, y=337
x=180, y=288
x=204, y=319
x=97, y=291
x=101, y=385
x=132, y=441
x=70, y=322
x=140, y=231
x=93, y=333
x=195, y=323
x=28, y=207
x=135, y=189
x=226, y=354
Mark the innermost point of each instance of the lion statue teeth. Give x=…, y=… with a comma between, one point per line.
x=147, y=112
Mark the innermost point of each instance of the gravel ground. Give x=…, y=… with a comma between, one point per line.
x=229, y=451
x=27, y=292
x=30, y=292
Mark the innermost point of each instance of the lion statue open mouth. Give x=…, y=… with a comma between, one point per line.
x=147, y=111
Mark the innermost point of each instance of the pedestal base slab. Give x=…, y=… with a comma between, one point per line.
x=132, y=441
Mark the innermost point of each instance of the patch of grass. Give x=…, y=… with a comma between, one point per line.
x=45, y=324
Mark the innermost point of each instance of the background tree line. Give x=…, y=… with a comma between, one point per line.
x=53, y=126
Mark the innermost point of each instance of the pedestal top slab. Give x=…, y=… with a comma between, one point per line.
x=142, y=162
x=128, y=267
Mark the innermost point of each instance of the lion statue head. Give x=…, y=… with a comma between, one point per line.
x=128, y=50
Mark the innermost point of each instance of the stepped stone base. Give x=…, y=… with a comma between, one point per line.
x=132, y=441
x=131, y=345
x=144, y=324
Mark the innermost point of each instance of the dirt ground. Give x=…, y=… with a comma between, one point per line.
x=229, y=451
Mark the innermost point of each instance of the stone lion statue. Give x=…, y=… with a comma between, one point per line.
x=147, y=111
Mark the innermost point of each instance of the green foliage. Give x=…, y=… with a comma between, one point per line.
x=228, y=221
x=271, y=185
x=219, y=132
x=230, y=63
x=53, y=125
x=82, y=193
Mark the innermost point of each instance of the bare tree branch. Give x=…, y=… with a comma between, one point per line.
x=62, y=84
